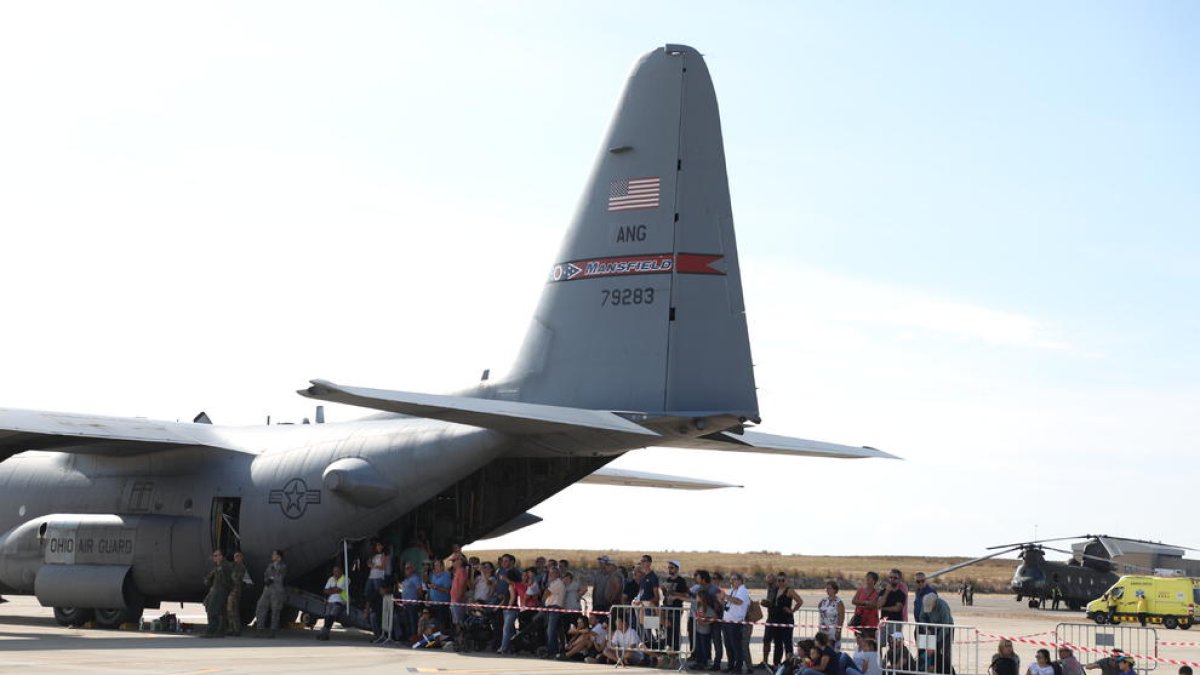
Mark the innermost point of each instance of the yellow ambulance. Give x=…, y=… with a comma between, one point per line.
x=1170, y=601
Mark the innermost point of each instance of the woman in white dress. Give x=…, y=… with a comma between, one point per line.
x=833, y=614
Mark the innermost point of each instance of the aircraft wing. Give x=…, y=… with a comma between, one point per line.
x=753, y=441
x=22, y=430
x=505, y=416
x=627, y=477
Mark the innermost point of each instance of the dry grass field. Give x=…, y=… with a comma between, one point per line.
x=988, y=576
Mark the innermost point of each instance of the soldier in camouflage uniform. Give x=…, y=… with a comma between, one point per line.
x=219, y=582
x=272, y=596
x=233, y=606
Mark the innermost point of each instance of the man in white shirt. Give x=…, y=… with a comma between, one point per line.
x=555, y=599
x=737, y=602
x=337, y=596
x=624, y=645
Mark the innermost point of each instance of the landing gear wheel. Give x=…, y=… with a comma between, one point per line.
x=113, y=618
x=73, y=616
x=1034, y=603
x=1170, y=622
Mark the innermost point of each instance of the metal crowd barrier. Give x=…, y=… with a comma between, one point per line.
x=1091, y=640
x=808, y=622
x=660, y=632
x=913, y=648
x=385, y=620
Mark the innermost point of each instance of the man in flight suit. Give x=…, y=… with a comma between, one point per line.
x=273, y=594
x=219, y=581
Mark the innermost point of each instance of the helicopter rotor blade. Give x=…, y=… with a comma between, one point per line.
x=1038, y=541
x=1096, y=557
x=967, y=563
x=1140, y=541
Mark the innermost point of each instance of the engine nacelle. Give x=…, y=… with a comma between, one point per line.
x=108, y=556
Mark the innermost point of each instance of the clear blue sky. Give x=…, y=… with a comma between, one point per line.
x=970, y=235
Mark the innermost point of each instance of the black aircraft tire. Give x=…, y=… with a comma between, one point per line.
x=73, y=616
x=1034, y=603
x=113, y=618
x=1170, y=622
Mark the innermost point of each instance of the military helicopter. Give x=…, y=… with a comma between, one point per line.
x=1094, y=566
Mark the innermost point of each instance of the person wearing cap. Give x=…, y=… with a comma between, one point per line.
x=1125, y=666
x=606, y=590
x=936, y=612
x=675, y=591
x=897, y=656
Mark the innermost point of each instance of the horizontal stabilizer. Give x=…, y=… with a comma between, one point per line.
x=522, y=521
x=752, y=441
x=504, y=416
x=22, y=430
x=626, y=477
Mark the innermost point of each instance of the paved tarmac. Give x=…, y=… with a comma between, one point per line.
x=31, y=641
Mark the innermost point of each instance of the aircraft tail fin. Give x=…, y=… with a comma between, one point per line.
x=643, y=308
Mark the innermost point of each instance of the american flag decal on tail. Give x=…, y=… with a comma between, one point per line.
x=634, y=193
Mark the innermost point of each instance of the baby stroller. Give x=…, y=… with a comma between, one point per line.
x=477, y=630
x=530, y=636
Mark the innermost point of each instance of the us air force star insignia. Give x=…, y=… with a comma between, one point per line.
x=294, y=498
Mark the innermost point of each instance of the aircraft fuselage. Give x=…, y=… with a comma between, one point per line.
x=298, y=488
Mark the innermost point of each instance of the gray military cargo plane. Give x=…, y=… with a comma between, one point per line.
x=639, y=340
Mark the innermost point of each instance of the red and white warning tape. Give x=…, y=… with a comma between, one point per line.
x=1096, y=650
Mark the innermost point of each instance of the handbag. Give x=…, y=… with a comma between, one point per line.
x=855, y=620
x=754, y=612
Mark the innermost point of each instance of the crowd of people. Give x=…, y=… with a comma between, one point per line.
x=542, y=608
